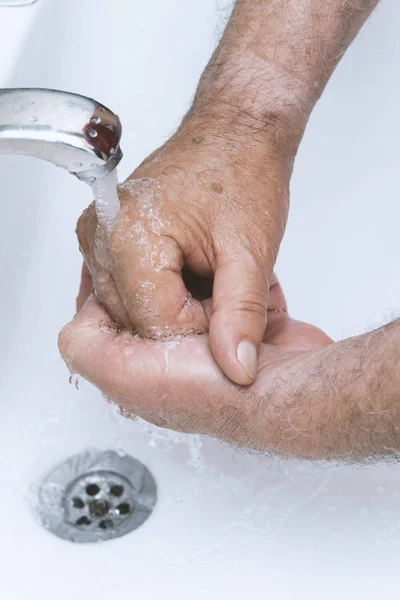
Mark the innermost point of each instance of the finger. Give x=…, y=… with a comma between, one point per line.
x=90, y=346
x=93, y=248
x=147, y=378
x=239, y=315
x=147, y=264
x=86, y=287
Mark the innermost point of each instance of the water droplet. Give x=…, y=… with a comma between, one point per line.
x=94, y=166
x=76, y=380
x=101, y=109
x=33, y=119
x=78, y=165
x=93, y=133
x=95, y=120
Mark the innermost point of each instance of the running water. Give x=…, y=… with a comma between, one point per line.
x=107, y=209
x=106, y=200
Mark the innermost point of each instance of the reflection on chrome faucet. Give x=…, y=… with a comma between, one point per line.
x=71, y=131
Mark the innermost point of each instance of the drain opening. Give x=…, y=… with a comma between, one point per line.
x=78, y=503
x=97, y=496
x=117, y=490
x=123, y=509
x=92, y=489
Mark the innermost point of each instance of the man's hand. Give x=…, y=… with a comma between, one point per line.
x=207, y=210
x=312, y=399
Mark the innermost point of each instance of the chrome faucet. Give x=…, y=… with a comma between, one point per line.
x=71, y=131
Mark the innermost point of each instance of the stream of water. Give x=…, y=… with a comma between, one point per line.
x=106, y=199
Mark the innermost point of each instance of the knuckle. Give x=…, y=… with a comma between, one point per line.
x=251, y=305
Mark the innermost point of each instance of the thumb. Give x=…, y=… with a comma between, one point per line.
x=239, y=317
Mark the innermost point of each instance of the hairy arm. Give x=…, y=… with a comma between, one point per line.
x=275, y=59
x=341, y=402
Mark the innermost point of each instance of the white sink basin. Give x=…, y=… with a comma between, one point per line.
x=243, y=525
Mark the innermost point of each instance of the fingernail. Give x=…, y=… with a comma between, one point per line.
x=247, y=356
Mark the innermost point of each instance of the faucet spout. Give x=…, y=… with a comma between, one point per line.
x=69, y=130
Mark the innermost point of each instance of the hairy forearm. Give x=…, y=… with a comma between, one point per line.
x=340, y=403
x=276, y=57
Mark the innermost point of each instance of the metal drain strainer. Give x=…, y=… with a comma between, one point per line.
x=96, y=496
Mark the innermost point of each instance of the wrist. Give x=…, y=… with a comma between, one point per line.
x=229, y=140
x=250, y=95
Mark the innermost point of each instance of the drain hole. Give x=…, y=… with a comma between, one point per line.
x=117, y=490
x=78, y=503
x=107, y=524
x=123, y=508
x=99, y=508
x=83, y=521
x=92, y=489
